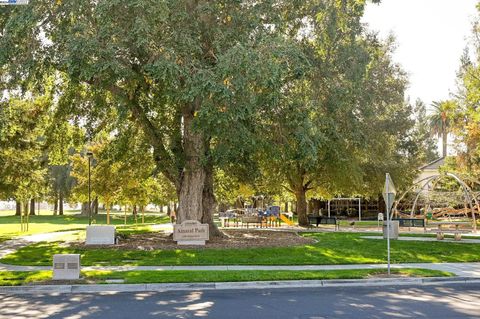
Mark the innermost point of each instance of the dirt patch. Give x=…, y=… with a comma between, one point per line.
x=232, y=239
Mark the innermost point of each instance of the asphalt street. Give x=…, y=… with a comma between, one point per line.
x=445, y=301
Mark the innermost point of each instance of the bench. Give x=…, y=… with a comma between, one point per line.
x=246, y=220
x=410, y=222
x=323, y=220
x=457, y=232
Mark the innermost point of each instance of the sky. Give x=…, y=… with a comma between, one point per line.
x=430, y=37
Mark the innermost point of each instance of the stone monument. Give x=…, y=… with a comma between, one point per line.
x=100, y=235
x=190, y=232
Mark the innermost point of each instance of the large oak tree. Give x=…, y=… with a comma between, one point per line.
x=194, y=75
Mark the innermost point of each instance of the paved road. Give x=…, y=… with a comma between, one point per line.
x=447, y=301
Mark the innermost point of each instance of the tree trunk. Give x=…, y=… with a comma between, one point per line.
x=300, y=196
x=192, y=181
x=95, y=206
x=444, y=143
x=18, y=208
x=25, y=215
x=60, y=204
x=169, y=212
x=107, y=206
x=209, y=203
x=55, y=206
x=32, y=206
x=286, y=207
x=25, y=207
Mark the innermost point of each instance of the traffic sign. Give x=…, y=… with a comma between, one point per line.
x=389, y=192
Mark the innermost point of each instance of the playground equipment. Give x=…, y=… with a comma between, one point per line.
x=269, y=217
x=286, y=220
x=440, y=203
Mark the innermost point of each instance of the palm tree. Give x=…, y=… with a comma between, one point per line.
x=440, y=121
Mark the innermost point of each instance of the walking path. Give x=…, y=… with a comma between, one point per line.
x=471, y=270
x=431, y=239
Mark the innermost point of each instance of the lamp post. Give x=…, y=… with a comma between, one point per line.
x=89, y=155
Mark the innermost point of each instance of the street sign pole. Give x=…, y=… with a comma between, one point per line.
x=389, y=197
x=388, y=221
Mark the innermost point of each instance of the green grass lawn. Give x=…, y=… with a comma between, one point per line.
x=8, y=278
x=17, y=278
x=10, y=225
x=330, y=248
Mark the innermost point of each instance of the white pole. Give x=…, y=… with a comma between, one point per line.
x=388, y=222
x=328, y=208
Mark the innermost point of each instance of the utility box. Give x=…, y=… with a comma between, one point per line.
x=394, y=229
x=66, y=266
x=100, y=235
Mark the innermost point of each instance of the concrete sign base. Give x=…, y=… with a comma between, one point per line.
x=66, y=267
x=394, y=229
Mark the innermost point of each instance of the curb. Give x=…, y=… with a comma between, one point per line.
x=114, y=288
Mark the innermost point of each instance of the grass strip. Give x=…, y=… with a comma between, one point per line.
x=8, y=278
x=10, y=225
x=17, y=278
x=329, y=249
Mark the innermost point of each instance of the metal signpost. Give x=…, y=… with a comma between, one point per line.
x=89, y=155
x=389, y=193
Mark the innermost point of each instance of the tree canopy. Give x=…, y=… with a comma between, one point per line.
x=296, y=91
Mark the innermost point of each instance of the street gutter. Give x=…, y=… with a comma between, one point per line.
x=115, y=288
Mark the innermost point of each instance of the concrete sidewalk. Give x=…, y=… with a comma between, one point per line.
x=470, y=270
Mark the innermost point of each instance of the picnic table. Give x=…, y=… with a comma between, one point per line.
x=441, y=230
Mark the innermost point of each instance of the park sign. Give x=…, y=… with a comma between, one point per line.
x=13, y=2
x=190, y=232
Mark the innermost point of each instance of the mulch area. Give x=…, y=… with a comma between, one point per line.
x=232, y=239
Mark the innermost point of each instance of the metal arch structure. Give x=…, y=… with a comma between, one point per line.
x=426, y=180
x=434, y=179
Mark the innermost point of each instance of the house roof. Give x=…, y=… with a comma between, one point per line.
x=434, y=165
